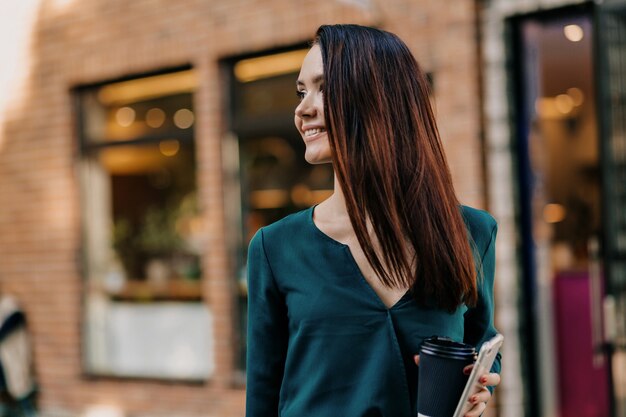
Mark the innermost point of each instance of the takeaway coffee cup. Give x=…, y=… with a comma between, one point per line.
x=441, y=379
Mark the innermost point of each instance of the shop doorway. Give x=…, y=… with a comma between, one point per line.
x=561, y=212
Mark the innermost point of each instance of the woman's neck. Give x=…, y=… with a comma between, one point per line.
x=336, y=207
x=336, y=203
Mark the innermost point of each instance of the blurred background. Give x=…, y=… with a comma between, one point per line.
x=142, y=144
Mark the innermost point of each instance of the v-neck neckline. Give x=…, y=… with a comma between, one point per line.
x=405, y=297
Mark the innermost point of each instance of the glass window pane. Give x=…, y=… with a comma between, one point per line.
x=157, y=106
x=142, y=230
x=154, y=219
x=272, y=174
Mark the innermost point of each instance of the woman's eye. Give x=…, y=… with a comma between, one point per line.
x=300, y=94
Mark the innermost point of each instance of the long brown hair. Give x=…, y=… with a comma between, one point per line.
x=391, y=166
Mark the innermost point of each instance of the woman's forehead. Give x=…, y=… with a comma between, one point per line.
x=312, y=66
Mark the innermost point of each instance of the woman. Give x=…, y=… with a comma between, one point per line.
x=342, y=294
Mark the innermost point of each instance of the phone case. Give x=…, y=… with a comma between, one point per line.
x=486, y=357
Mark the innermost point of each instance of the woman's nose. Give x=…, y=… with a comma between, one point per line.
x=306, y=108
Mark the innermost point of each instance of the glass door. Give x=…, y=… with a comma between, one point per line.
x=560, y=198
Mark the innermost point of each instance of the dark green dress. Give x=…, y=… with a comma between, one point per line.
x=321, y=343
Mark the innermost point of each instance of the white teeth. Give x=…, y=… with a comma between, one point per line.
x=311, y=132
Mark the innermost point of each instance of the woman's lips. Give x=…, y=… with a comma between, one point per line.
x=313, y=134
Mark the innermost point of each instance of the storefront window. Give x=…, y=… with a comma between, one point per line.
x=273, y=176
x=141, y=226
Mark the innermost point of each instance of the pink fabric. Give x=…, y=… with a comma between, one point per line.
x=583, y=387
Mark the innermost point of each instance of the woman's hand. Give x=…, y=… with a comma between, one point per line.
x=480, y=399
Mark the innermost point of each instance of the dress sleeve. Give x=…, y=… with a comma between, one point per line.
x=479, y=320
x=267, y=334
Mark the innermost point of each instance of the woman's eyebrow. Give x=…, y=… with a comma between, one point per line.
x=316, y=80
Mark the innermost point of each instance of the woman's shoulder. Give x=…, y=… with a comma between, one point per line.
x=285, y=229
x=480, y=223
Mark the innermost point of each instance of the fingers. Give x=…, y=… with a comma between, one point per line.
x=490, y=380
x=416, y=358
x=479, y=403
x=468, y=369
x=482, y=396
x=476, y=410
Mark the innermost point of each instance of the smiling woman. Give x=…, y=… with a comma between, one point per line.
x=342, y=294
x=309, y=117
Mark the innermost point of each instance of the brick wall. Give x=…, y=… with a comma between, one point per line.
x=70, y=42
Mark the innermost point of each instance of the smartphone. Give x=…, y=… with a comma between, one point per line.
x=486, y=357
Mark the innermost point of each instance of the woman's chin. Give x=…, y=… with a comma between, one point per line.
x=315, y=159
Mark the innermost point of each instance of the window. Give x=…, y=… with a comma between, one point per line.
x=141, y=229
x=271, y=173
